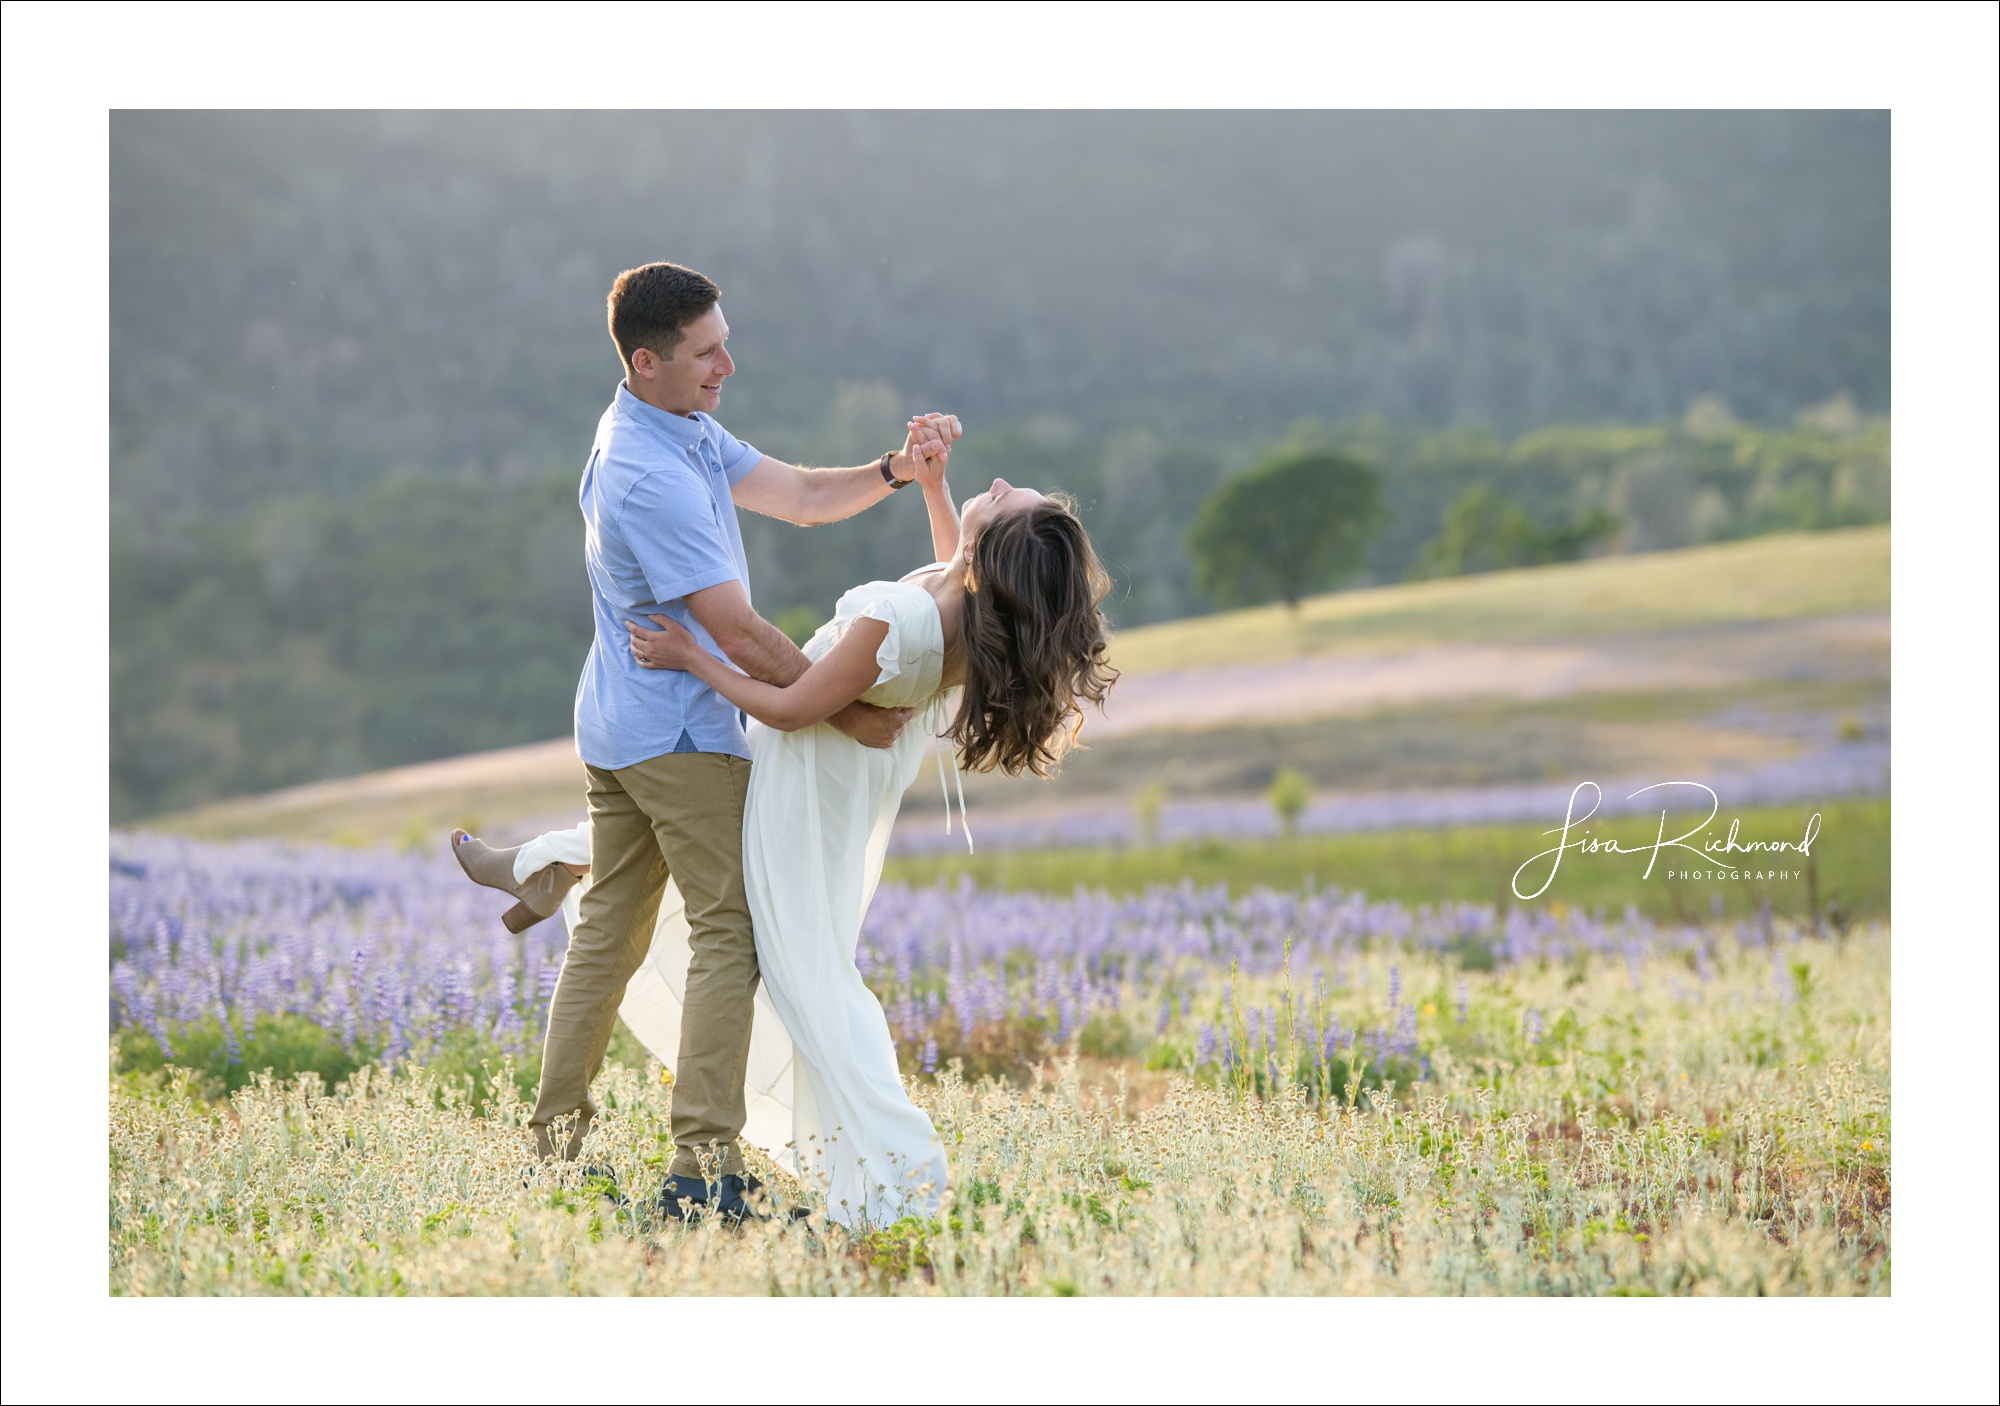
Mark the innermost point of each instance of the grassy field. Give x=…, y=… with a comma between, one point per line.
x=1707, y=1121
x=1763, y=578
x=1473, y=864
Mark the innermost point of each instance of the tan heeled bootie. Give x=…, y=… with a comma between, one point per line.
x=541, y=895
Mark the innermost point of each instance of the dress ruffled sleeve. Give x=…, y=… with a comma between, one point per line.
x=893, y=611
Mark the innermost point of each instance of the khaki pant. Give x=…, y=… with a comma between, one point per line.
x=678, y=815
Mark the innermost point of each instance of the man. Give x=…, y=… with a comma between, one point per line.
x=667, y=761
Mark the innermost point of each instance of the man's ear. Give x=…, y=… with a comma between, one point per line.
x=644, y=363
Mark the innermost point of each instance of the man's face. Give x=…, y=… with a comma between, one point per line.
x=692, y=379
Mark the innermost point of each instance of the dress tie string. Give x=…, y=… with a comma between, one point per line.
x=956, y=775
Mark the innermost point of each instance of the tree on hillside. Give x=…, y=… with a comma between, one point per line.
x=1482, y=531
x=1290, y=794
x=1294, y=523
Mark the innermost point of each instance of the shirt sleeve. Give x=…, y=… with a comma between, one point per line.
x=670, y=522
x=736, y=457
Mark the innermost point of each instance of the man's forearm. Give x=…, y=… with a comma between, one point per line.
x=834, y=494
x=761, y=650
x=780, y=662
x=757, y=647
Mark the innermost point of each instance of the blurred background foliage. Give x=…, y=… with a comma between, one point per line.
x=356, y=360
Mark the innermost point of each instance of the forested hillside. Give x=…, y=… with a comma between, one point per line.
x=355, y=360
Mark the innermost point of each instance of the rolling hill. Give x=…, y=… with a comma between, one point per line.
x=1728, y=655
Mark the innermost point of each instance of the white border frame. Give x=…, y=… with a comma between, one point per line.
x=66, y=66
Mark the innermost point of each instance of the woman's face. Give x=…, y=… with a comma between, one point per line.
x=996, y=502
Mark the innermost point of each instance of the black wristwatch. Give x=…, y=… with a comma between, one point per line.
x=894, y=482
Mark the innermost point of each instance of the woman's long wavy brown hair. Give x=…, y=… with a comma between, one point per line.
x=1034, y=641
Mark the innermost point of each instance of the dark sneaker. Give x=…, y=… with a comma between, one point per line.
x=729, y=1197
x=757, y=1203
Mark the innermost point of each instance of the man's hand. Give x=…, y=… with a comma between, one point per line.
x=926, y=436
x=871, y=726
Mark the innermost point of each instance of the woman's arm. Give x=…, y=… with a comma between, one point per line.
x=847, y=671
x=931, y=464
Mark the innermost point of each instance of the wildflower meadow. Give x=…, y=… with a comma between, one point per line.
x=320, y=1060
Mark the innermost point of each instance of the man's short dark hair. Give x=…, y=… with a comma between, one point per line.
x=651, y=306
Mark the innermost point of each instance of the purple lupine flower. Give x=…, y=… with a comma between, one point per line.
x=1395, y=986
x=150, y=1015
x=930, y=1056
x=1405, y=1035
x=1166, y=1015
x=1464, y=999
x=1204, y=1045
x=1532, y=1022
x=381, y=948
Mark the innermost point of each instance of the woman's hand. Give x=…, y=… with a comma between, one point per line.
x=936, y=433
x=669, y=647
x=929, y=444
x=930, y=470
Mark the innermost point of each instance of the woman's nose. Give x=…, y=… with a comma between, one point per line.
x=1000, y=485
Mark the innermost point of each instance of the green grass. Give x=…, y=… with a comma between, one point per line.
x=1765, y=578
x=285, y=1046
x=1473, y=863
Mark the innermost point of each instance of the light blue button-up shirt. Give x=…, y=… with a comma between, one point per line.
x=659, y=525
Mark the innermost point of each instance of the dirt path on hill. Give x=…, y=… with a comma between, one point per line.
x=1836, y=647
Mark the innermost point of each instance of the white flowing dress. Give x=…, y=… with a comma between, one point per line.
x=824, y=1096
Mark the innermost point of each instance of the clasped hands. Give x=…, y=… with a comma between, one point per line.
x=926, y=449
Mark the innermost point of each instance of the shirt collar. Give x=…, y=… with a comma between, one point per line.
x=685, y=430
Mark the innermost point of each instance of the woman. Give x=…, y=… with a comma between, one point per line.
x=1008, y=614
